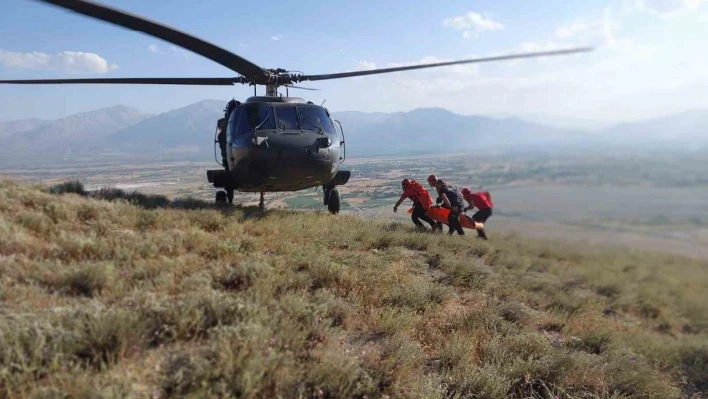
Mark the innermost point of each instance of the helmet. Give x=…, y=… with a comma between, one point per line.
x=466, y=191
x=405, y=182
x=432, y=179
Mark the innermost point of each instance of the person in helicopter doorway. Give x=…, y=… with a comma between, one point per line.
x=221, y=138
x=483, y=202
x=422, y=201
x=452, y=200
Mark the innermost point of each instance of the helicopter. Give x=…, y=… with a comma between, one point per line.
x=268, y=143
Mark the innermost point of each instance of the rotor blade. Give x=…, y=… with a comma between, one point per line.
x=164, y=32
x=440, y=64
x=300, y=87
x=142, y=81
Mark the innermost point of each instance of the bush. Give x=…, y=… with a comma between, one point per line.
x=70, y=187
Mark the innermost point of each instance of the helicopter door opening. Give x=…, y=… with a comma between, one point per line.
x=343, y=154
x=220, y=140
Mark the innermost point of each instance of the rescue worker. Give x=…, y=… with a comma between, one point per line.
x=422, y=201
x=452, y=200
x=483, y=202
x=221, y=138
x=432, y=179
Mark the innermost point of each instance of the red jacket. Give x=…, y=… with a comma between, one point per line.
x=417, y=193
x=481, y=200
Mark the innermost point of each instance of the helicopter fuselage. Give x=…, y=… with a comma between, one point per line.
x=276, y=144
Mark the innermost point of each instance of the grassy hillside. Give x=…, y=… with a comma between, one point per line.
x=136, y=296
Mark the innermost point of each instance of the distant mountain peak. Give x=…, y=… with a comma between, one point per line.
x=111, y=110
x=430, y=109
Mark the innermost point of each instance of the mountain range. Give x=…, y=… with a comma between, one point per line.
x=188, y=132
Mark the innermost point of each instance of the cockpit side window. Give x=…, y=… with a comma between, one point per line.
x=316, y=118
x=287, y=118
x=232, y=124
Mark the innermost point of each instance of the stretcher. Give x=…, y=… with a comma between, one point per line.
x=439, y=214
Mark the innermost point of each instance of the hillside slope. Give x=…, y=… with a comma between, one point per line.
x=152, y=298
x=686, y=127
x=9, y=128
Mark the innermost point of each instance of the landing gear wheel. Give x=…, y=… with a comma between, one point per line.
x=261, y=204
x=221, y=197
x=333, y=201
x=230, y=195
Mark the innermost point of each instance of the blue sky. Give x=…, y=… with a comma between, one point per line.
x=651, y=58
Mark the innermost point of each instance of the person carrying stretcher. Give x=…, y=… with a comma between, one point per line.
x=432, y=180
x=451, y=199
x=483, y=202
x=422, y=201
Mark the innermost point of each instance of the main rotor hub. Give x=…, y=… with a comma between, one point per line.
x=273, y=77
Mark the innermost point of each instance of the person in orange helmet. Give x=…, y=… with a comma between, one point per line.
x=483, y=202
x=422, y=201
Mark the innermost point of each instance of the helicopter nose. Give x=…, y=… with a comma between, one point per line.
x=283, y=156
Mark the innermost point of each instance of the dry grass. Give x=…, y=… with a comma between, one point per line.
x=113, y=294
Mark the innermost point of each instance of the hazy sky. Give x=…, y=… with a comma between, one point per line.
x=651, y=58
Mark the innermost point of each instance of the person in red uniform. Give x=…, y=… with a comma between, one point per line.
x=422, y=201
x=483, y=202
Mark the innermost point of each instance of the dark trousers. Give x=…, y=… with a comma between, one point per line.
x=419, y=213
x=481, y=216
x=453, y=222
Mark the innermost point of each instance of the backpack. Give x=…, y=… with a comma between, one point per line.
x=489, y=197
x=454, y=196
x=423, y=195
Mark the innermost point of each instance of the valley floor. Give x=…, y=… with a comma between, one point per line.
x=645, y=203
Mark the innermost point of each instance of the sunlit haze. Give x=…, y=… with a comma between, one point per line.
x=650, y=58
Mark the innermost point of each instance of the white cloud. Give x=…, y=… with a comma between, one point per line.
x=536, y=46
x=364, y=66
x=472, y=24
x=66, y=61
x=662, y=8
x=174, y=51
x=608, y=28
x=579, y=27
x=603, y=30
x=361, y=66
x=277, y=37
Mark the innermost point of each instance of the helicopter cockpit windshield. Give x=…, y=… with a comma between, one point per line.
x=286, y=116
x=249, y=118
x=252, y=118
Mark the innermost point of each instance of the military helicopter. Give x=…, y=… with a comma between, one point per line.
x=269, y=143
